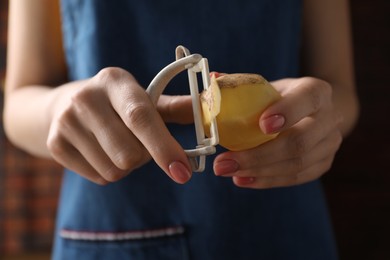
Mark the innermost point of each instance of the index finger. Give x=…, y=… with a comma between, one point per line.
x=139, y=114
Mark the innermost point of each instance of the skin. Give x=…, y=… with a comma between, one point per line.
x=104, y=127
x=314, y=114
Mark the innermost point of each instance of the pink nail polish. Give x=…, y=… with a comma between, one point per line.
x=242, y=181
x=272, y=124
x=225, y=167
x=179, y=172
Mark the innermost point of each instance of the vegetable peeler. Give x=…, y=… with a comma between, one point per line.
x=193, y=63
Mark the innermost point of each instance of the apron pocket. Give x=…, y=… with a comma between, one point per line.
x=165, y=243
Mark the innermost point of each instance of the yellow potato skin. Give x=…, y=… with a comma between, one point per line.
x=244, y=97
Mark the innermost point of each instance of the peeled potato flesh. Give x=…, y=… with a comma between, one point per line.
x=237, y=102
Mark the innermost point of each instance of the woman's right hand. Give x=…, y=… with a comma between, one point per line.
x=108, y=127
x=102, y=128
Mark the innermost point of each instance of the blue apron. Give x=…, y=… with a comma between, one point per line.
x=148, y=216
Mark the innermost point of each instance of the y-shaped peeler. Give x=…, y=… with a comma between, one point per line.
x=194, y=63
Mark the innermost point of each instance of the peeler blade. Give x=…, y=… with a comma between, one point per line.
x=194, y=64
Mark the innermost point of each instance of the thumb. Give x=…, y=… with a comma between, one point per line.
x=303, y=97
x=176, y=109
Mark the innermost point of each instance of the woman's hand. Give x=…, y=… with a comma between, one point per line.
x=305, y=148
x=102, y=128
x=109, y=127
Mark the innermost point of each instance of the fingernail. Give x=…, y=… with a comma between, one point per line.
x=216, y=74
x=242, y=181
x=225, y=167
x=272, y=124
x=179, y=172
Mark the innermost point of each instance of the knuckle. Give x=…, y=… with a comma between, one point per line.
x=80, y=97
x=315, y=98
x=130, y=158
x=138, y=114
x=55, y=145
x=113, y=177
x=110, y=74
x=94, y=176
x=113, y=76
x=56, y=139
x=299, y=145
x=318, y=90
x=64, y=122
x=326, y=87
x=100, y=181
x=114, y=174
x=126, y=161
x=122, y=162
x=298, y=165
x=85, y=98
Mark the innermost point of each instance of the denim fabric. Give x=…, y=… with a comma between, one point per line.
x=146, y=215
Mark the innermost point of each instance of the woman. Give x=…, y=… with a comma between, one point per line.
x=74, y=93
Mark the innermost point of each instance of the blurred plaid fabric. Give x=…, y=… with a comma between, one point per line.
x=29, y=187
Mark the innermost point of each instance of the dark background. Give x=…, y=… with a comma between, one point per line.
x=357, y=187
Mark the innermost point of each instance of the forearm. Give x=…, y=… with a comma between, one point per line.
x=347, y=104
x=28, y=112
x=328, y=54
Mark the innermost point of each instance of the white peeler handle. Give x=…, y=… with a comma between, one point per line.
x=194, y=63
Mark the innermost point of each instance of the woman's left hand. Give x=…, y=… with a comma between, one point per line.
x=304, y=150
